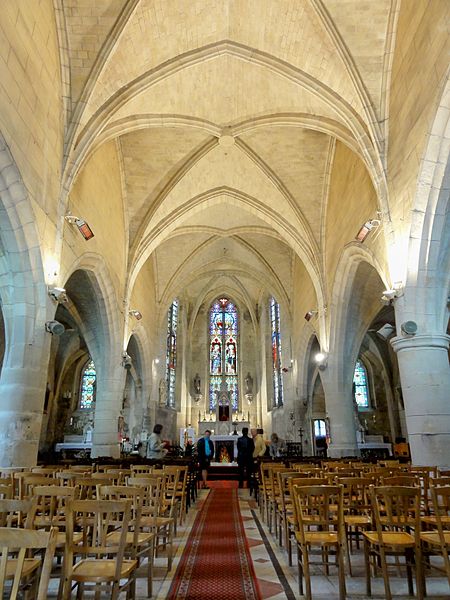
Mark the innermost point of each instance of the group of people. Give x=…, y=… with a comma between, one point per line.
x=249, y=449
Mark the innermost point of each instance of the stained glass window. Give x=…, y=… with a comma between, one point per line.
x=88, y=385
x=223, y=369
x=171, y=354
x=360, y=384
x=274, y=309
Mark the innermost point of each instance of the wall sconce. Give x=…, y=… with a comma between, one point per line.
x=156, y=361
x=391, y=294
x=321, y=359
x=366, y=229
x=127, y=362
x=57, y=294
x=310, y=314
x=136, y=314
x=386, y=332
x=83, y=227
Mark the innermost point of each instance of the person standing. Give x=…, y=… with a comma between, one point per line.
x=155, y=446
x=245, y=448
x=260, y=444
x=205, y=451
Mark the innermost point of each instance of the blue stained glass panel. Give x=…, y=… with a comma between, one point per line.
x=171, y=352
x=361, y=385
x=274, y=311
x=88, y=384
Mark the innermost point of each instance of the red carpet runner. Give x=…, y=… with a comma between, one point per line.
x=216, y=562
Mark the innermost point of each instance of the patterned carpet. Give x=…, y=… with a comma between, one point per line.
x=216, y=562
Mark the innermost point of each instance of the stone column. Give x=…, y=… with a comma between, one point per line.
x=340, y=412
x=105, y=441
x=425, y=379
x=22, y=392
x=23, y=382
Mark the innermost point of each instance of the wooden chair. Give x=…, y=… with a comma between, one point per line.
x=437, y=542
x=19, y=542
x=321, y=528
x=97, y=518
x=357, y=510
x=176, y=488
x=139, y=544
x=397, y=518
x=162, y=526
x=51, y=506
x=28, y=480
x=18, y=513
x=6, y=491
x=292, y=519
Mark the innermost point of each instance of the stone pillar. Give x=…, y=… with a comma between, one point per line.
x=23, y=382
x=105, y=441
x=22, y=392
x=425, y=379
x=340, y=412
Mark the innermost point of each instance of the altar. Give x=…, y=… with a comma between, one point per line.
x=225, y=448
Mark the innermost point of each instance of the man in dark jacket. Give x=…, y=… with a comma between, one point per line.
x=205, y=451
x=245, y=447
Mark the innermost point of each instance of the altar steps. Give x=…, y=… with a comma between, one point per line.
x=225, y=472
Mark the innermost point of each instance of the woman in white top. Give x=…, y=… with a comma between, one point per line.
x=155, y=446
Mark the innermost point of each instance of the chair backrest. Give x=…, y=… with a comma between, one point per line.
x=18, y=513
x=27, y=481
x=21, y=541
x=396, y=508
x=88, y=485
x=135, y=495
x=6, y=491
x=49, y=471
x=440, y=498
x=137, y=470
x=153, y=489
x=52, y=503
x=319, y=507
x=355, y=494
x=405, y=480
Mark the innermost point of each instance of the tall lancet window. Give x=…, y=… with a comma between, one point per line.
x=223, y=352
x=171, y=352
x=360, y=385
x=88, y=385
x=274, y=309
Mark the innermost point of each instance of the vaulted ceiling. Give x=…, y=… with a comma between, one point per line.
x=226, y=117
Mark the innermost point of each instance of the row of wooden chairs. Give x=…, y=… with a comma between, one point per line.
x=141, y=522
x=280, y=487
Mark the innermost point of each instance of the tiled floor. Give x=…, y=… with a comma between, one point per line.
x=278, y=581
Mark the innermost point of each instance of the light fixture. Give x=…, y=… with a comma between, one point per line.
x=57, y=294
x=386, y=332
x=54, y=327
x=366, y=229
x=136, y=314
x=126, y=361
x=310, y=314
x=321, y=359
x=83, y=227
x=391, y=294
x=409, y=328
x=156, y=361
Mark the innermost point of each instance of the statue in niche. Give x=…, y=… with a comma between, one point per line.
x=88, y=430
x=249, y=384
x=197, y=383
x=162, y=392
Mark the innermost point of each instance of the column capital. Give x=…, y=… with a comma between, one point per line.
x=426, y=340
